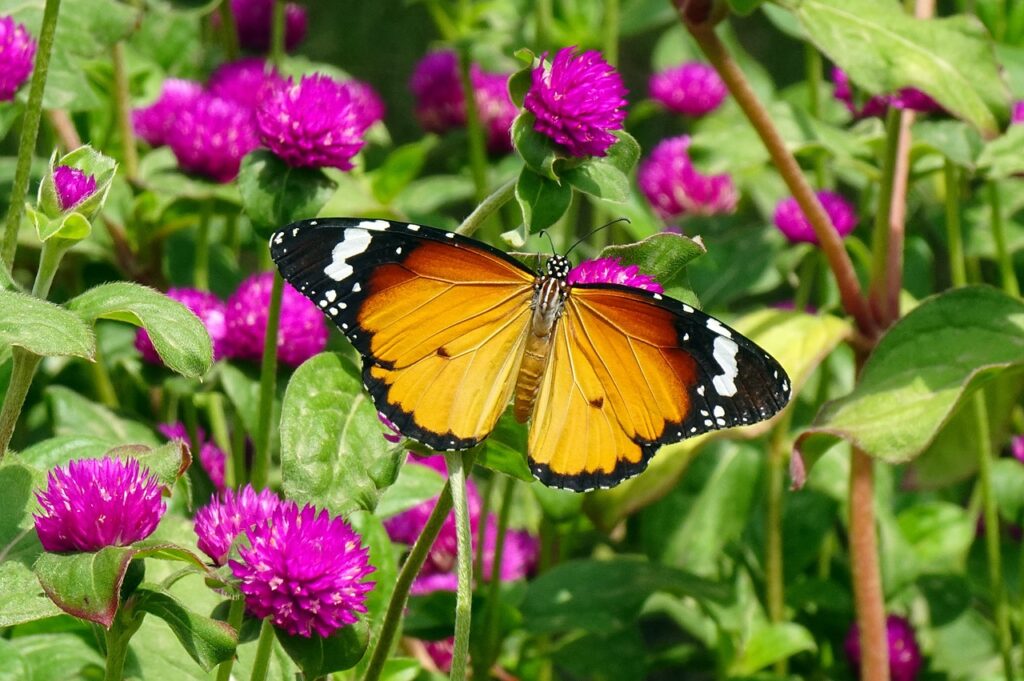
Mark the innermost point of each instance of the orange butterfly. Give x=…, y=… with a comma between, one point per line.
x=451, y=329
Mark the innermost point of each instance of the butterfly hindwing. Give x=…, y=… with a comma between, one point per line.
x=631, y=371
x=438, y=318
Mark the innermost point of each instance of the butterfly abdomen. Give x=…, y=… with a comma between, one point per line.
x=548, y=300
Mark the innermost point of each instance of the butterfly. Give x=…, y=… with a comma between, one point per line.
x=451, y=330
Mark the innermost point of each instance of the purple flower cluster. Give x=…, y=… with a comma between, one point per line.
x=211, y=311
x=17, y=50
x=692, y=89
x=907, y=98
x=92, y=503
x=228, y=515
x=211, y=457
x=1017, y=114
x=155, y=123
x=904, y=653
x=612, y=271
x=675, y=188
x=253, y=21
x=245, y=82
x=792, y=222
x=73, y=186
x=441, y=106
x=578, y=99
x=212, y=136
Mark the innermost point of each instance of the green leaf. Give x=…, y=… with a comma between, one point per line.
x=607, y=177
x=542, y=201
x=21, y=598
x=206, y=641
x=597, y=595
x=414, y=485
x=43, y=328
x=318, y=656
x=167, y=463
x=770, y=643
x=73, y=414
x=664, y=257
x=1001, y=158
x=13, y=666
x=923, y=367
x=744, y=7
x=504, y=450
x=953, y=140
x=179, y=336
x=884, y=49
x=275, y=194
x=384, y=558
x=939, y=533
x=559, y=505
x=18, y=540
x=1008, y=488
x=332, y=450
x=537, y=150
x=58, y=657
x=400, y=168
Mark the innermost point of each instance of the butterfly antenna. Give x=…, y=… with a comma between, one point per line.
x=595, y=231
x=550, y=241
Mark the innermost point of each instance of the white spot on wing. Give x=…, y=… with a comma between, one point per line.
x=375, y=225
x=331, y=294
x=725, y=351
x=719, y=411
x=450, y=235
x=657, y=296
x=357, y=288
x=413, y=228
x=700, y=390
x=687, y=308
x=352, y=244
x=717, y=327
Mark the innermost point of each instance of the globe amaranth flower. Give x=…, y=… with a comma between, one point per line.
x=211, y=135
x=691, y=89
x=366, y=100
x=211, y=457
x=302, y=331
x=254, y=19
x=245, y=81
x=304, y=570
x=1017, y=447
x=790, y=219
x=437, y=90
x=92, y=503
x=577, y=99
x=390, y=433
x=154, y=123
x=877, y=105
x=904, y=653
x=612, y=271
x=676, y=189
x=17, y=50
x=316, y=123
x=495, y=107
x=73, y=186
x=210, y=309
x=1017, y=113
x=228, y=515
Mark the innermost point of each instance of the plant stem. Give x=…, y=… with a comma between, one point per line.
x=49, y=260
x=954, y=235
x=23, y=368
x=831, y=244
x=995, y=560
x=277, y=34
x=880, y=234
x=261, y=664
x=498, y=198
x=410, y=568
x=117, y=652
x=268, y=383
x=64, y=128
x=201, y=276
x=235, y=613
x=101, y=381
x=1003, y=256
x=457, y=474
x=867, y=579
x=542, y=21
x=893, y=282
x=229, y=30
x=123, y=111
x=489, y=652
x=611, y=32
x=474, y=130
x=776, y=461
x=29, y=132
x=214, y=403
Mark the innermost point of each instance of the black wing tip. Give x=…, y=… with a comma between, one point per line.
x=588, y=482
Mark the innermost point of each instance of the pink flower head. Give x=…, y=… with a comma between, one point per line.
x=675, y=188
x=578, y=100
x=17, y=50
x=790, y=219
x=73, y=186
x=228, y=515
x=692, y=89
x=435, y=85
x=877, y=105
x=391, y=433
x=302, y=332
x=245, y=81
x=904, y=653
x=496, y=109
x=441, y=652
x=366, y=100
x=313, y=124
x=1017, y=447
x=1018, y=112
x=92, y=503
x=211, y=311
x=211, y=457
x=612, y=271
x=253, y=20
x=519, y=552
x=211, y=136
x=155, y=122
x=304, y=570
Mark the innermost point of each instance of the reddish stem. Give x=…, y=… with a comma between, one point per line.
x=867, y=579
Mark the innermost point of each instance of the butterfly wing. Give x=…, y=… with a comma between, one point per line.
x=439, y=319
x=631, y=371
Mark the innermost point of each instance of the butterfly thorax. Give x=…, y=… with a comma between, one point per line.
x=549, y=294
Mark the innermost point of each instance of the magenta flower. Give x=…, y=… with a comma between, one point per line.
x=17, y=50
x=211, y=457
x=314, y=124
x=92, y=503
x=904, y=653
x=155, y=122
x=519, y=552
x=304, y=570
x=435, y=85
x=790, y=219
x=366, y=100
x=390, y=433
x=211, y=311
x=612, y=271
x=675, y=188
x=211, y=136
x=907, y=98
x=228, y=515
x=1017, y=447
x=496, y=109
x=253, y=20
x=1018, y=112
x=578, y=100
x=73, y=186
x=245, y=81
x=692, y=89
x=302, y=332
x=441, y=652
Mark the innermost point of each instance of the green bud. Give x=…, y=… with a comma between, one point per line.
x=55, y=185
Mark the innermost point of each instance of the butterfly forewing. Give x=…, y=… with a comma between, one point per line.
x=439, y=319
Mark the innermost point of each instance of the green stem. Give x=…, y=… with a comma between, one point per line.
x=49, y=260
x=117, y=653
x=611, y=31
x=880, y=235
x=235, y=613
x=995, y=561
x=29, y=132
x=775, y=584
x=214, y=403
x=486, y=495
x=542, y=18
x=1003, y=256
x=813, y=66
x=954, y=234
x=238, y=468
x=493, y=608
x=261, y=664
x=498, y=198
x=277, y=34
x=123, y=112
x=23, y=368
x=229, y=31
x=201, y=276
x=268, y=384
x=457, y=473
x=805, y=284
x=474, y=130
x=101, y=381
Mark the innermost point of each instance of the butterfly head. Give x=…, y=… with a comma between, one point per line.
x=558, y=267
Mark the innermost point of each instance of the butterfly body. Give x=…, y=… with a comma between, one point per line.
x=451, y=330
